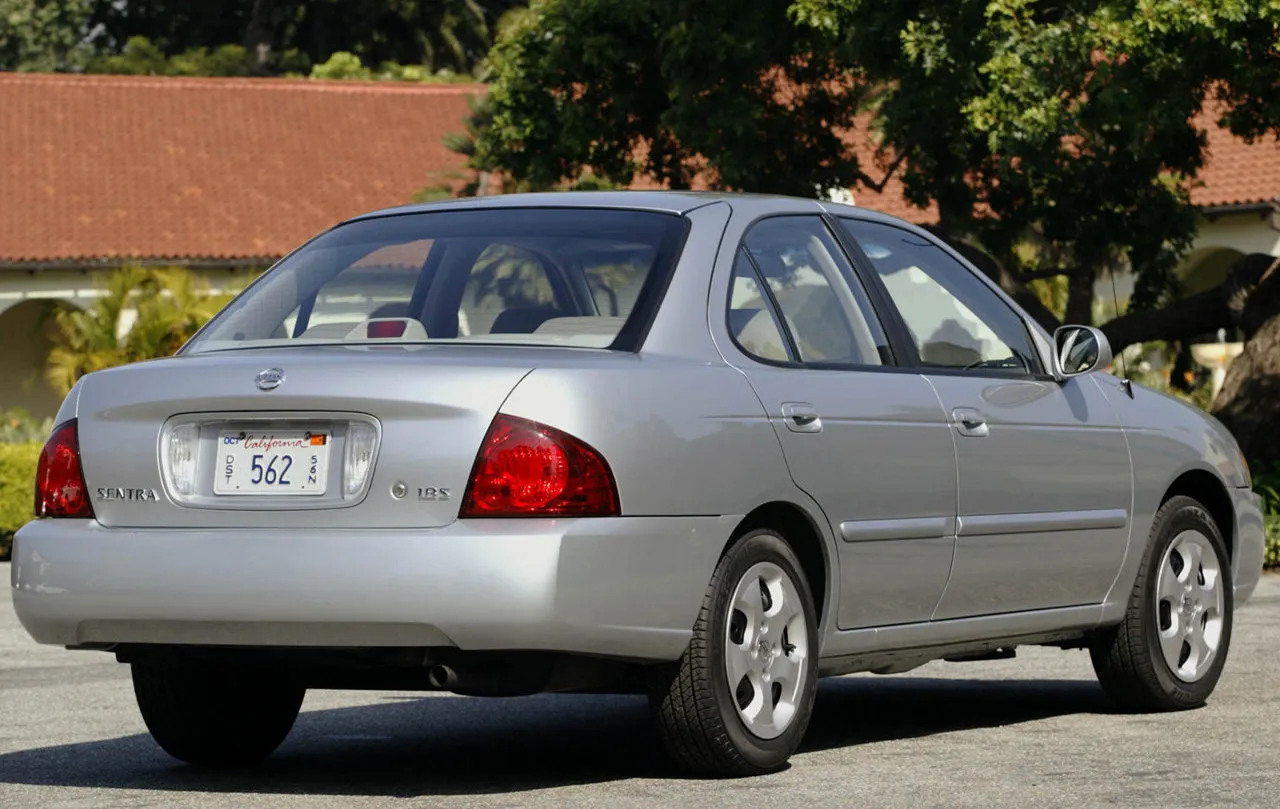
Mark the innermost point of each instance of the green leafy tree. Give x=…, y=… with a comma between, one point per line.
x=224, y=60
x=238, y=37
x=671, y=89
x=344, y=65
x=43, y=35
x=341, y=65
x=138, y=57
x=1057, y=140
x=289, y=36
x=169, y=305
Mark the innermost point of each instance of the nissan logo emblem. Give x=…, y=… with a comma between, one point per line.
x=269, y=379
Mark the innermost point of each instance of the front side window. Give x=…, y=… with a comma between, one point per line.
x=955, y=321
x=575, y=277
x=819, y=300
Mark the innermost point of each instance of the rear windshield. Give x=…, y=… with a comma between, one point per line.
x=547, y=276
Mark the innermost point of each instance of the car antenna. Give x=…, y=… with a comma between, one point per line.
x=1126, y=384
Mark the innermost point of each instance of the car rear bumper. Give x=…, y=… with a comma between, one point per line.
x=627, y=587
x=1250, y=543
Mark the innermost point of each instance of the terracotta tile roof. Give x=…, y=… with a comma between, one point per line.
x=121, y=166
x=101, y=167
x=1235, y=172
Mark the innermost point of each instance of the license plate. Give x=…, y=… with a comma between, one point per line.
x=279, y=463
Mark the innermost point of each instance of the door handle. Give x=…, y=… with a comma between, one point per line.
x=970, y=422
x=801, y=417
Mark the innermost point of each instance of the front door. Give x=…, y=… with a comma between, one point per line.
x=865, y=439
x=1043, y=466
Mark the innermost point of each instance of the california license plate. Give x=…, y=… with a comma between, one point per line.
x=279, y=463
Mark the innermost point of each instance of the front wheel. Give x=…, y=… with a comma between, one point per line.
x=215, y=715
x=1168, y=652
x=739, y=699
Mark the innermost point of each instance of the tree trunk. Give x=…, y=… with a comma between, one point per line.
x=1248, y=298
x=257, y=36
x=1199, y=314
x=1249, y=403
x=1080, y=297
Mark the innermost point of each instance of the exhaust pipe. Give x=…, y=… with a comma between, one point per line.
x=481, y=674
x=443, y=677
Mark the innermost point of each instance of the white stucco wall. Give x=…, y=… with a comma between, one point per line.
x=1246, y=232
x=80, y=287
x=1242, y=233
x=25, y=333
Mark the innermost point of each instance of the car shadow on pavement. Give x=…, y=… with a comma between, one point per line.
x=406, y=746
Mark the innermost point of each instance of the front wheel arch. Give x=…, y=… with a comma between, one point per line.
x=1208, y=490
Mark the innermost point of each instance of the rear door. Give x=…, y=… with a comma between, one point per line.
x=1044, y=470
x=867, y=440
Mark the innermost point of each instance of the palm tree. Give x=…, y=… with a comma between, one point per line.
x=168, y=306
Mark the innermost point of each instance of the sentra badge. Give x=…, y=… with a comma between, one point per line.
x=138, y=495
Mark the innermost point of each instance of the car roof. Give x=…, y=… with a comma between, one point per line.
x=673, y=202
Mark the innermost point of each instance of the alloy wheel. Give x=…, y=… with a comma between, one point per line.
x=1189, y=605
x=766, y=649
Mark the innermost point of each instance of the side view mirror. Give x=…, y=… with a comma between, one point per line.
x=1079, y=350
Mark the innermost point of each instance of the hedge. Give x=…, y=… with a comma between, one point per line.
x=17, y=479
x=1271, y=560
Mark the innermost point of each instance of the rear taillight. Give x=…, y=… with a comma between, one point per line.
x=526, y=469
x=60, y=489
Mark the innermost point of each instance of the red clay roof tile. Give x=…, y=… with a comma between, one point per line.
x=109, y=167
x=1235, y=172
x=121, y=166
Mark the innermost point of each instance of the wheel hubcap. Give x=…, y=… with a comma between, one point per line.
x=766, y=649
x=1189, y=605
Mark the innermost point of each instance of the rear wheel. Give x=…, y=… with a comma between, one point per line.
x=739, y=699
x=214, y=715
x=1169, y=651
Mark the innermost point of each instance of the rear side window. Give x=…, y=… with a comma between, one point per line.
x=548, y=276
x=791, y=275
x=753, y=320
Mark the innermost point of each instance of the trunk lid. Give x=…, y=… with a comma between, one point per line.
x=430, y=407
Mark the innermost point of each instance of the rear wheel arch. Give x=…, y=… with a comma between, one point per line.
x=801, y=532
x=1207, y=489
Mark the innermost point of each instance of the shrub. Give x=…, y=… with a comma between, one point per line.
x=1271, y=558
x=1266, y=482
x=17, y=479
x=18, y=427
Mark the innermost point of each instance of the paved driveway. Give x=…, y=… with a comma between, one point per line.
x=1034, y=731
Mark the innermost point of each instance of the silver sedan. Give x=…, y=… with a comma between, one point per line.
x=704, y=447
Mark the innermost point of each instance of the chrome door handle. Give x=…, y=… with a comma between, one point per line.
x=801, y=417
x=970, y=422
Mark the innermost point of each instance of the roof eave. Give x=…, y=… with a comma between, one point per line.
x=1260, y=207
x=87, y=264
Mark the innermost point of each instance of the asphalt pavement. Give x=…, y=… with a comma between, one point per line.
x=1032, y=731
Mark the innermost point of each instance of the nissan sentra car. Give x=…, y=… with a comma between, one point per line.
x=707, y=448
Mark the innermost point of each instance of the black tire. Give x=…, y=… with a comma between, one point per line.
x=215, y=715
x=696, y=712
x=1128, y=660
